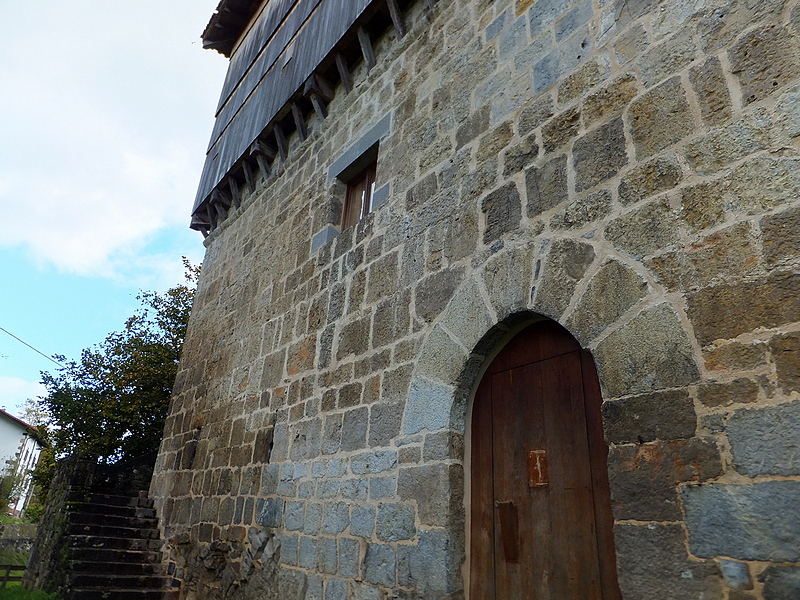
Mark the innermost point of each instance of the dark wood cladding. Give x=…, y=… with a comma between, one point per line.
x=261, y=81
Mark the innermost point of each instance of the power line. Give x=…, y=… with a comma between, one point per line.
x=31, y=347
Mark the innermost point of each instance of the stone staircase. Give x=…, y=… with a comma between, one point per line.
x=113, y=549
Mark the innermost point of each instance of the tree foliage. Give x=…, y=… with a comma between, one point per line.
x=113, y=401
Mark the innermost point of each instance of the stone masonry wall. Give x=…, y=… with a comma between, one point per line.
x=628, y=168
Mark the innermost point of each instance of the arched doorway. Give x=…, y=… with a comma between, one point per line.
x=541, y=522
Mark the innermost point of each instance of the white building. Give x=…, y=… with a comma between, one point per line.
x=20, y=448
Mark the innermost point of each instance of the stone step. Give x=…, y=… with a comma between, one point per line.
x=113, y=555
x=115, y=510
x=109, y=581
x=103, y=569
x=93, y=529
x=113, y=520
x=120, y=594
x=94, y=541
x=111, y=499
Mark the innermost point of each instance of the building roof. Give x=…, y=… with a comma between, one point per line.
x=228, y=23
x=23, y=425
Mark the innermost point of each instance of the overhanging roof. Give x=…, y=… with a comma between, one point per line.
x=228, y=23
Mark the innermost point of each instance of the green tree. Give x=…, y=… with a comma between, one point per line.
x=113, y=401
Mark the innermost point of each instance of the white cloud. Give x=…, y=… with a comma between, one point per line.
x=105, y=117
x=15, y=391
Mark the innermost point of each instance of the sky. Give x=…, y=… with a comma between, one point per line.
x=106, y=109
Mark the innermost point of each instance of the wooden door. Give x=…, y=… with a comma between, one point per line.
x=541, y=523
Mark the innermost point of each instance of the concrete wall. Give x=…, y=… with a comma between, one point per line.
x=627, y=168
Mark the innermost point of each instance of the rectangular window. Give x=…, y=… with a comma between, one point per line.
x=358, y=201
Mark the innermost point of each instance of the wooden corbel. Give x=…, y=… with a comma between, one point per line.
x=299, y=121
x=344, y=72
x=397, y=18
x=366, y=48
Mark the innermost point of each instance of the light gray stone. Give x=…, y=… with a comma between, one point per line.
x=766, y=441
x=651, y=352
x=395, y=522
x=427, y=407
x=760, y=521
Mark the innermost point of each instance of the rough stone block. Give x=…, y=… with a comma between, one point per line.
x=786, y=355
x=720, y=147
x=468, y=317
x=567, y=263
x=503, y=209
x=610, y=293
x=644, y=231
x=630, y=44
x=327, y=555
x=644, y=478
x=788, y=111
x=544, y=13
x=598, y=155
x=736, y=574
x=740, y=357
x=658, y=175
x=354, y=338
x=560, y=130
x=335, y=517
x=536, y=112
x=667, y=58
x=380, y=565
x=512, y=39
x=739, y=391
x=546, y=186
x=760, y=521
x=781, y=583
x=561, y=60
x=362, y=521
x=724, y=255
x=430, y=566
x=384, y=423
x=437, y=490
x=354, y=429
x=373, y=462
x=507, y=278
x=652, y=563
x=583, y=211
x=583, y=79
x=349, y=557
x=728, y=310
x=610, y=99
x=711, y=91
x=475, y=125
x=651, y=352
x=428, y=406
x=764, y=60
x=434, y=292
x=520, y=156
x=665, y=415
x=659, y=118
x=572, y=20
x=395, y=522
x=766, y=441
x=781, y=235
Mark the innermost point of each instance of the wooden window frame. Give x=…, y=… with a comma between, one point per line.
x=362, y=184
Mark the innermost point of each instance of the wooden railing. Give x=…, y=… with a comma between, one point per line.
x=7, y=571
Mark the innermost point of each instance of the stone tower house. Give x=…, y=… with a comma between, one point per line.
x=432, y=229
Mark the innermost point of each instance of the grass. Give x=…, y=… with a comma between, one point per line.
x=17, y=593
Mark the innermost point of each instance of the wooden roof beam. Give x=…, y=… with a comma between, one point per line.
x=280, y=139
x=299, y=121
x=397, y=18
x=344, y=72
x=366, y=48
